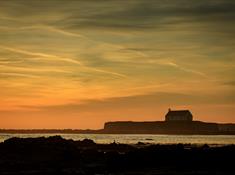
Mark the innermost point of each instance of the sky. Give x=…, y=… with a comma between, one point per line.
x=79, y=63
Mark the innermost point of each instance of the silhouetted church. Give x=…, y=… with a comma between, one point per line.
x=179, y=115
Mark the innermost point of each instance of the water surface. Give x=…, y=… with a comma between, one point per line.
x=134, y=138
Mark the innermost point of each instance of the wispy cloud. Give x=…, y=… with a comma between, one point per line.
x=142, y=15
x=230, y=83
x=186, y=69
x=150, y=100
x=48, y=56
x=58, y=58
x=28, y=69
x=43, y=27
x=10, y=74
x=55, y=55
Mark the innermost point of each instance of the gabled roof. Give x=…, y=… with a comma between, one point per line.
x=178, y=113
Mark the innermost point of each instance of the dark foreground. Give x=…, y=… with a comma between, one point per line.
x=54, y=155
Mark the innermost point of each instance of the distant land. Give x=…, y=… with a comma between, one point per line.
x=130, y=127
x=176, y=122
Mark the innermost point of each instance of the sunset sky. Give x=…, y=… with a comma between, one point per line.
x=77, y=64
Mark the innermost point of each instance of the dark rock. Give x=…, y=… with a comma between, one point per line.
x=55, y=155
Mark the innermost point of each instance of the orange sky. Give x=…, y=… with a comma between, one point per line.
x=78, y=64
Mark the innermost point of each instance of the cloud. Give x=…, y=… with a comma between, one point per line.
x=47, y=56
x=131, y=15
x=161, y=15
x=43, y=27
x=186, y=69
x=114, y=55
x=14, y=75
x=144, y=101
x=59, y=58
x=136, y=101
x=230, y=83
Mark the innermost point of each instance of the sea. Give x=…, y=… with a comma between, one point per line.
x=135, y=138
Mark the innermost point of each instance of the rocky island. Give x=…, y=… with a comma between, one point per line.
x=176, y=122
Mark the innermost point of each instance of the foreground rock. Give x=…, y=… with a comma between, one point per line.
x=55, y=155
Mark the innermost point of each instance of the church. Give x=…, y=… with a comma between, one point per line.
x=179, y=115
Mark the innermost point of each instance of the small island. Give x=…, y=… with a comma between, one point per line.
x=176, y=122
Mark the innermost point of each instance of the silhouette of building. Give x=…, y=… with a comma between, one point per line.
x=179, y=115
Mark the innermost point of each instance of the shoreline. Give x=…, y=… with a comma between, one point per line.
x=55, y=131
x=53, y=155
x=133, y=138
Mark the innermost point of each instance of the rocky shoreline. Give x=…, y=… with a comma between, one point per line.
x=55, y=155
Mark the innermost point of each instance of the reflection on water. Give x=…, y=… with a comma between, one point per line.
x=133, y=139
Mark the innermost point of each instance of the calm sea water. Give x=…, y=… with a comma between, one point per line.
x=133, y=139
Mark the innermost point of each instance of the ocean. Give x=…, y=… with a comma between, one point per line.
x=135, y=138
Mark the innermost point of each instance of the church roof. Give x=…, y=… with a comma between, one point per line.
x=178, y=113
